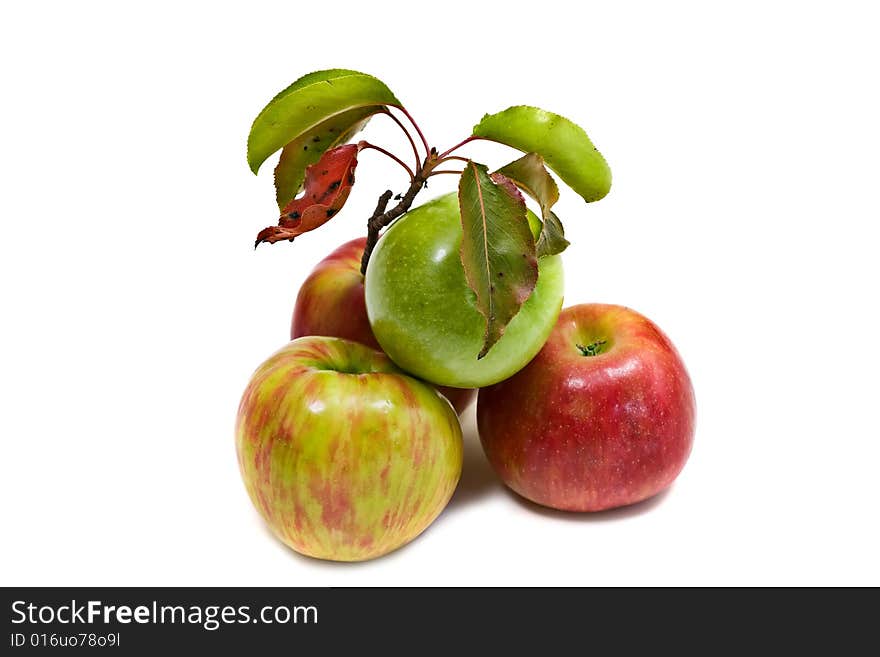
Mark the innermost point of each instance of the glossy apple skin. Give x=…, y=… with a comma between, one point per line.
x=423, y=313
x=344, y=456
x=331, y=302
x=587, y=433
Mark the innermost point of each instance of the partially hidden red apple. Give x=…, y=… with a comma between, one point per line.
x=602, y=417
x=331, y=302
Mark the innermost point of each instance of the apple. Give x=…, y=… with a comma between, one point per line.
x=331, y=302
x=602, y=417
x=345, y=457
x=422, y=311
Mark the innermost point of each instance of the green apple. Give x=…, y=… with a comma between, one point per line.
x=423, y=313
x=331, y=302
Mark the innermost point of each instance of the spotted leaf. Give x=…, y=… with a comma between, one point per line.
x=327, y=185
x=497, y=248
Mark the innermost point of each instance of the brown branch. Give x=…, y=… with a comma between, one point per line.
x=381, y=218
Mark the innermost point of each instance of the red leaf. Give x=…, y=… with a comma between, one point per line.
x=327, y=185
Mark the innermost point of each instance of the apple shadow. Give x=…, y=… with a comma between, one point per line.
x=609, y=515
x=478, y=479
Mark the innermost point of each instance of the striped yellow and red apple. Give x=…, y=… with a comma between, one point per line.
x=344, y=455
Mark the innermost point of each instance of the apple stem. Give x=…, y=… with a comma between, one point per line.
x=418, y=129
x=412, y=143
x=382, y=218
x=445, y=153
x=418, y=179
x=592, y=349
x=365, y=145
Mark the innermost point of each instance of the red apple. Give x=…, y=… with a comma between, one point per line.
x=331, y=302
x=602, y=417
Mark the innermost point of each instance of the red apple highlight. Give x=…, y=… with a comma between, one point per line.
x=344, y=456
x=602, y=417
x=331, y=302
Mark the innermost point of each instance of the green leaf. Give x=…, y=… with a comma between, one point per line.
x=552, y=240
x=529, y=174
x=308, y=148
x=497, y=248
x=309, y=102
x=564, y=146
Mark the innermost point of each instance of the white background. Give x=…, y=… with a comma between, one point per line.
x=743, y=219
